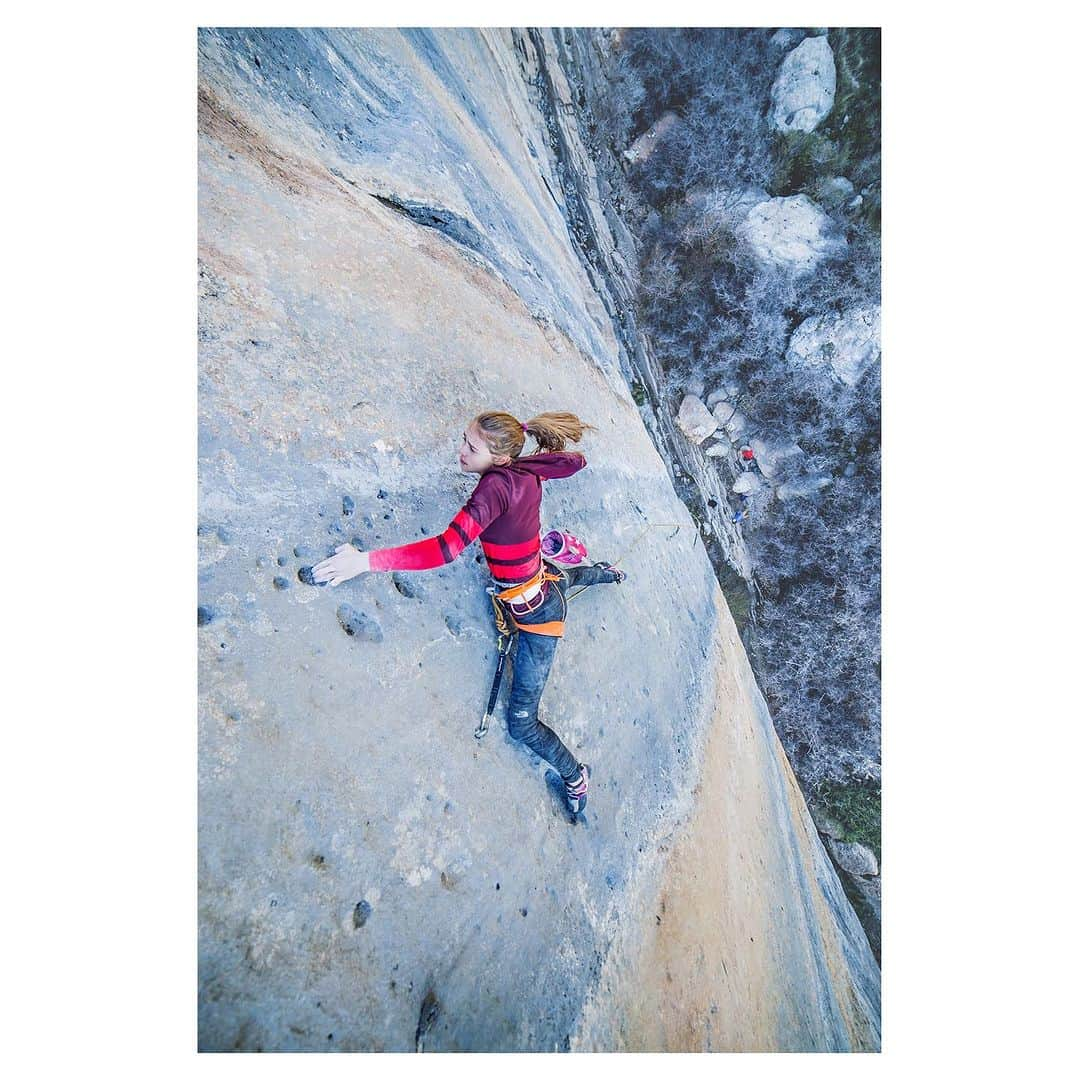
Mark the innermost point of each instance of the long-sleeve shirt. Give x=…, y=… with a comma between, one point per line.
x=503, y=511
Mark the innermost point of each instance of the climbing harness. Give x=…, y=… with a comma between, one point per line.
x=504, y=616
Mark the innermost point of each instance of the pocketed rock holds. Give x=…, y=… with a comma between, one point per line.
x=404, y=586
x=856, y=859
x=803, y=93
x=281, y=582
x=357, y=624
x=205, y=615
x=348, y=505
x=791, y=232
x=847, y=342
x=361, y=914
x=307, y=575
x=695, y=421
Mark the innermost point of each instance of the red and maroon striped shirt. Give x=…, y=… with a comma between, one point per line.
x=503, y=510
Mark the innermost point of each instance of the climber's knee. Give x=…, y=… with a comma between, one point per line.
x=520, y=723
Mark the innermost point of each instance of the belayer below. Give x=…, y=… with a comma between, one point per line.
x=504, y=512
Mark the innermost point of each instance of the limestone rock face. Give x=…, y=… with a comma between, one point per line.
x=790, y=232
x=804, y=90
x=696, y=422
x=848, y=343
x=383, y=253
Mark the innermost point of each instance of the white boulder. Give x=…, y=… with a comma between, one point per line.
x=730, y=419
x=696, y=422
x=769, y=457
x=721, y=446
x=847, y=342
x=784, y=37
x=804, y=488
x=805, y=88
x=695, y=386
x=747, y=484
x=791, y=232
x=716, y=396
x=856, y=858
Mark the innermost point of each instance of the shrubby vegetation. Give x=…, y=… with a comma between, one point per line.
x=710, y=310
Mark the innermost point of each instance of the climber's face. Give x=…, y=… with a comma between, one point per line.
x=474, y=455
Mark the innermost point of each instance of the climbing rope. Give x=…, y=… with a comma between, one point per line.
x=633, y=544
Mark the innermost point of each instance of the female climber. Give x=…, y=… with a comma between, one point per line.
x=504, y=512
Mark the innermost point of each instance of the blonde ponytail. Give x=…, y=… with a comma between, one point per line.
x=504, y=434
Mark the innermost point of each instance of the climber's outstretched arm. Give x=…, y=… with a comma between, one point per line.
x=487, y=502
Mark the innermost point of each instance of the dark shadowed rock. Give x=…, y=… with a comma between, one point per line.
x=358, y=624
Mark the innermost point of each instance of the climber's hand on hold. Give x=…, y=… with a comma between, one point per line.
x=345, y=563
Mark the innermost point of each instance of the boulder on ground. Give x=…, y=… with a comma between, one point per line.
x=730, y=419
x=769, y=457
x=785, y=37
x=645, y=144
x=805, y=488
x=696, y=422
x=833, y=191
x=856, y=859
x=847, y=342
x=804, y=90
x=694, y=386
x=791, y=232
x=721, y=446
x=716, y=396
x=747, y=484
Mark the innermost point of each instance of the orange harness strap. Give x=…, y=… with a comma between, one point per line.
x=518, y=590
x=548, y=629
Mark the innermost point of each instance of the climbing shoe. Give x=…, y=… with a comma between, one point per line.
x=577, y=791
x=617, y=577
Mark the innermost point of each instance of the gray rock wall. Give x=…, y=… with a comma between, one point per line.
x=383, y=252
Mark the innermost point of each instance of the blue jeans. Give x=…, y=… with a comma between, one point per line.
x=533, y=657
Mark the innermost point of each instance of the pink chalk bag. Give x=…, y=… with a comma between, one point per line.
x=562, y=547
